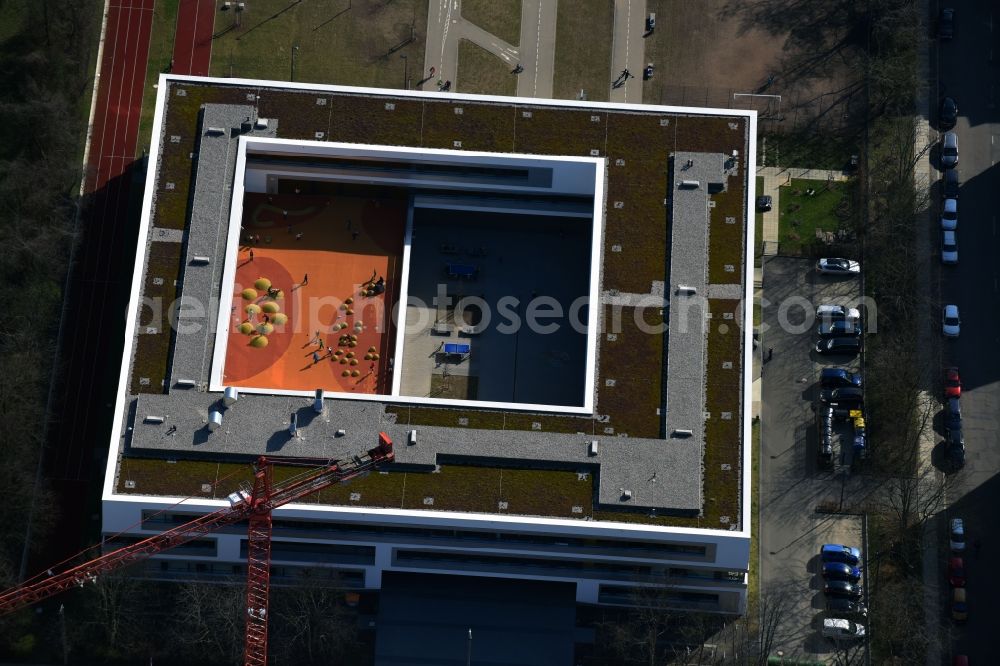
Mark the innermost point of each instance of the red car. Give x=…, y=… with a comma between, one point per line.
x=956, y=572
x=952, y=383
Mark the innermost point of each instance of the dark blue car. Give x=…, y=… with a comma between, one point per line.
x=841, y=571
x=835, y=552
x=831, y=378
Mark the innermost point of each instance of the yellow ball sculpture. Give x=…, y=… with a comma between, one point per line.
x=249, y=294
x=259, y=341
x=262, y=284
x=280, y=319
x=270, y=307
x=253, y=308
x=246, y=328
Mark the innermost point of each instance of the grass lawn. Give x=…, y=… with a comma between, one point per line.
x=801, y=215
x=161, y=51
x=354, y=42
x=583, y=49
x=500, y=17
x=812, y=150
x=481, y=72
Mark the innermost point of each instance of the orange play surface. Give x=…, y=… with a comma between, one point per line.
x=340, y=243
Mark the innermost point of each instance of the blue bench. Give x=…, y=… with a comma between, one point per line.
x=456, y=348
x=461, y=270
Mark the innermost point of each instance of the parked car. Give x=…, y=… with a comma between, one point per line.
x=953, y=414
x=824, y=426
x=949, y=150
x=842, y=607
x=837, y=266
x=839, y=346
x=841, y=588
x=952, y=383
x=946, y=23
x=950, y=184
x=830, y=378
x=841, y=571
x=955, y=448
x=847, y=395
x=949, y=247
x=839, y=629
x=959, y=605
x=837, y=552
x=836, y=312
x=948, y=114
x=764, y=203
x=956, y=572
x=956, y=538
x=839, y=329
x=951, y=322
x=949, y=215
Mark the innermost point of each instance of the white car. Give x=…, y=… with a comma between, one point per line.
x=837, y=266
x=836, y=628
x=949, y=247
x=837, y=313
x=949, y=215
x=957, y=537
x=951, y=321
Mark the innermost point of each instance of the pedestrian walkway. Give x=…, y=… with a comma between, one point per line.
x=628, y=50
x=774, y=179
x=535, y=54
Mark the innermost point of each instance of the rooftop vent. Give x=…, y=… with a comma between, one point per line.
x=413, y=438
x=230, y=395
x=592, y=448
x=214, y=420
x=153, y=419
x=690, y=184
x=318, y=401
x=186, y=383
x=261, y=124
x=200, y=259
x=682, y=432
x=216, y=131
x=685, y=290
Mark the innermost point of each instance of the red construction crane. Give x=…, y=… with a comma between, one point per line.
x=252, y=504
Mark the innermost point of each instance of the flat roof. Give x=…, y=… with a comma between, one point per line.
x=669, y=403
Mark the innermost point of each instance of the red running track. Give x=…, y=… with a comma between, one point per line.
x=193, y=38
x=119, y=94
x=105, y=227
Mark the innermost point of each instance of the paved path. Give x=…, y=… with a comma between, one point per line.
x=774, y=178
x=628, y=50
x=538, y=47
x=536, y=54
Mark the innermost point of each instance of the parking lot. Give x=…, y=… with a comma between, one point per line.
x=799, y=499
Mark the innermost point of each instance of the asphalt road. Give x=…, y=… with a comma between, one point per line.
x=967, y=69
x=792, y=485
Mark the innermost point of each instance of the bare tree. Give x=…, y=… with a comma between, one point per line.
x=209, y=621
x=314, y=624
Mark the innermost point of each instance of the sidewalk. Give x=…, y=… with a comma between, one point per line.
x=774, y=178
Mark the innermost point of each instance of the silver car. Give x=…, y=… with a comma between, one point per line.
x=949, y=151
x=949, y=248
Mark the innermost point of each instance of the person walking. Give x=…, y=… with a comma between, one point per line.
x=315, y=357
x=305, y=280
x=770, y=353
x=251, y=255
